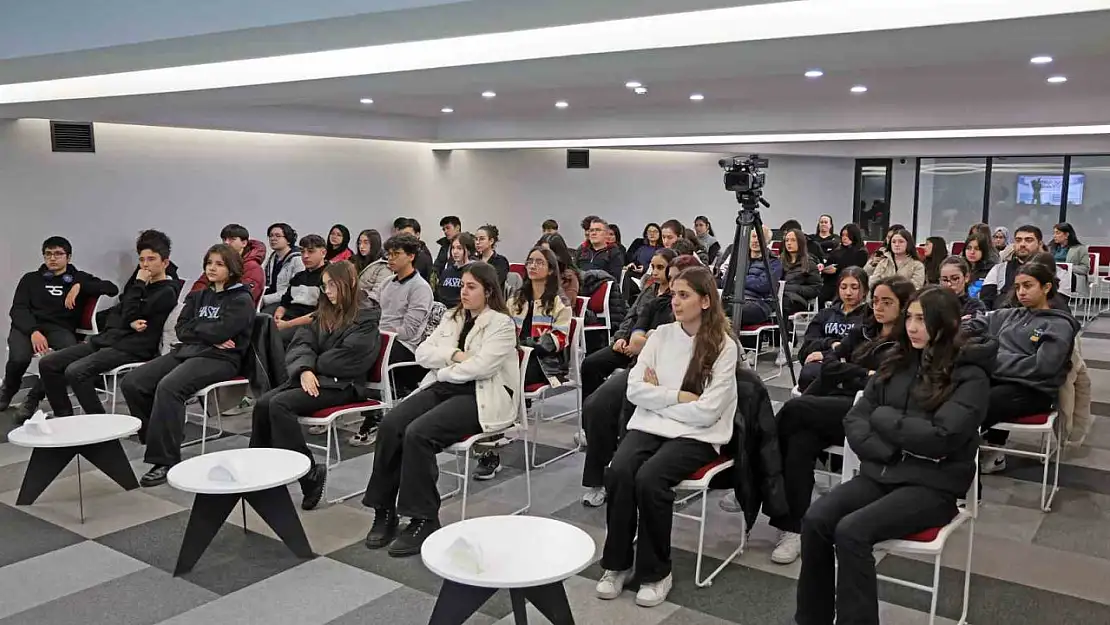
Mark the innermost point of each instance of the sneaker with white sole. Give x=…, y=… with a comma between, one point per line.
x=991, y=461
x=489, y=465
x=788, y=548
x=317, y=430
x=651, y=595
x=580, y=438
x=729, y=504
x=611, y=584
x=594, y=498
x=364, y=439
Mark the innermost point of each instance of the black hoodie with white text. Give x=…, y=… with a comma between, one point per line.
x=40, y=298
x=210, y=317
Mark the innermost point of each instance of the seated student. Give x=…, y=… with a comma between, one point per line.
x=833, y=323
x=900, y=259
x=550, y=226
x=760, y=289
x=683, y=387
x=800, y=272
x=603, y=413
x=999, y=283
x=214, y=331
x=424, y=263
x=936, y=250
x=485, y=240
x=473, y=376
x=46, y=309
x=252, y=251
x=451, y=227
x=373, y=270
x=915, y=431
x=283, y=263
x=339, y=240
x=133, y=332
x=825, y=236
x=103, y=316
x=406, y=303
x=300, y=299
x=601, y=254
x=328, y=362
x=463, y=253
x=813, y=248
x=954, y=276
x=850, y=253
x=569, y=278
x=1035, y=343
x=810, y=423
x=708, y=239
x=979, y=264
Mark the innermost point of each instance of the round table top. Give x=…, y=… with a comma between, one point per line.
x=255, y=469
x=85, y=429
x=513, y=551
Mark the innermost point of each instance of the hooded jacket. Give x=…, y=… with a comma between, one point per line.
x=291, y=265
x=757, y=469
x=40, y=298
x=608, y=259
x=1034, y=346
x=803, y=284
x=831, y=325
x=152, y=302
x=253, y=276
x=449, y=289
x=971, y=306
x=211, y=317
x=372, y=280
x=627, y=325
x=901, y=443
x=339, y=358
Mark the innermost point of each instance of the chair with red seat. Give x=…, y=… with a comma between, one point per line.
x=757, y=332
x=698, y=485
x=1048, y=425
x=92, y=305
x=598, y=303
x=537, y=393
x=519, y=269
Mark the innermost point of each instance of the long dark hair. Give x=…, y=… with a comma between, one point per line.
x=832, y=225
x=1067, y=229
x=942, y=312
x=708, y=226
x=658, y=240
x=801, y=257
x=375, y=239
x=332, y=317
x=486, y=275
x=855, y=235
x=860, y=276
x=911, y=247
x=336, y=250
x=466, y=240
x=715, y=329
x=558, y=245
x=551, y=286
x=959, y=262
x=903, y=289
x=616, y=230
x=232, y=260
x=982, y=242
x=932, y=262
x=1043, y=273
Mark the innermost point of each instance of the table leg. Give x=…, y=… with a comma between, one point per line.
x=520, y=606
x=209, y=513
x=45, y=465
x=110, y=458
x=551, y=601
x=275, y=506
x=458, y=602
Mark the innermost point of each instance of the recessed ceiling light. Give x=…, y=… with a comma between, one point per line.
x=367, y=100
x=561, y=104
x=632, y=84
x=640, y=90
x=814, y=73
x=697, y=97
x=1040, y=60
x=1057, y=79
x=489, y=94
x=859, y=89
x=447, y=109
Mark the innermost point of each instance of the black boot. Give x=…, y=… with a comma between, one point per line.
x=383, y=530
x=26, y=411
x=412, y=538
x=156, y=476
x=312, y=486
x=6, y=395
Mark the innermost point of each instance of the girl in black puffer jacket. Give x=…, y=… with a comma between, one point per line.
x=916, y=432
x=829, y=327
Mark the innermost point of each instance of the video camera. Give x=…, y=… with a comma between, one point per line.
x=743, y=174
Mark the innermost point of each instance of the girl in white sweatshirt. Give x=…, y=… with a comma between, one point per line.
x=684, y=388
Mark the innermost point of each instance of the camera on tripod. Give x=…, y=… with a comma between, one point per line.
x=743, y=174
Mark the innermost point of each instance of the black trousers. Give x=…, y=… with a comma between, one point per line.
x=806, y=426
x=752, y=312
x=639, y=486
x=78, y=367
x=409, y=437
x=156, y=394
x=406, y=379
x=843, y=527
x=600, y=365
x=274, y=420
x=20, y=353
x=1009, y=401
x=604, y=417
x=809, y=373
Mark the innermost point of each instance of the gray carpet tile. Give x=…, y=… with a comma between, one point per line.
x=25, y=536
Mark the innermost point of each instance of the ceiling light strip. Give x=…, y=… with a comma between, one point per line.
x=804, y=137
x=776, y=20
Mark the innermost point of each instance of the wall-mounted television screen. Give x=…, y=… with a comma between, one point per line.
x=1047, y=189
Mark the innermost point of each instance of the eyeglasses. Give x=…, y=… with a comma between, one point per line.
x=957, y=280
x=596, y=230
x=535, y=262
x=57, y=254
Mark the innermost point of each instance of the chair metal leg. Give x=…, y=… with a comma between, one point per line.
x=935, y=591
x=967, y=571
x=527, y=474
x=465, y=482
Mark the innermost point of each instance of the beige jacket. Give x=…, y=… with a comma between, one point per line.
x=493, y=364
x=1074, y=402
x=914, y=270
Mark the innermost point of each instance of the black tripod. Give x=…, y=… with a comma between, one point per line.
x=747, y=220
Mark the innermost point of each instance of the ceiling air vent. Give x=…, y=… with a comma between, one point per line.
x=578, y=159
x=72, y=137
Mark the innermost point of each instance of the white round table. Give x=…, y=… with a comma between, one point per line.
x=259, y=476
x=94, y=436
x=529, y=556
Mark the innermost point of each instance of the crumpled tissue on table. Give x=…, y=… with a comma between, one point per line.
x=466, y=555
x=226, y=470
x=38, y=424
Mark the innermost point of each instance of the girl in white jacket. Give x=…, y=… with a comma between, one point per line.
x=684, y=388
x=473, y=374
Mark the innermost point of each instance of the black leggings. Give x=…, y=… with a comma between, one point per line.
x=806, y=426
x=1010, y=401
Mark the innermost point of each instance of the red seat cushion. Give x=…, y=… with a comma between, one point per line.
x=1033, y=419
x=700, y=473
x=757, y=326
x=532, y=388
x=327, y=412
x=925, y=536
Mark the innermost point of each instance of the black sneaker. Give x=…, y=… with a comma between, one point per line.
x=383, y=530
x=312, y=487
x=6, y=396
x=489, y=464
x=412, y=537
x=156, y=476
x=25, y=412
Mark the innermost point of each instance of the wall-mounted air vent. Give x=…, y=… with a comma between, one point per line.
x=72, y=137
x=578, y=159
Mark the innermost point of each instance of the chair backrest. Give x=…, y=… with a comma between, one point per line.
x=599, y=301
x=524, y=354
x=87, y=324
x=385, y=348
x=872, y=246
x=519, y=269
x=1093, y=258
x=957, y=247
x=579, y=305
x=576, y=346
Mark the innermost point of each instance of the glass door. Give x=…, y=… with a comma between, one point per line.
x=872, y=200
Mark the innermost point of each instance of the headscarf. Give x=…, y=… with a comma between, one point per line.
x=1005, y=232
x=334, y=251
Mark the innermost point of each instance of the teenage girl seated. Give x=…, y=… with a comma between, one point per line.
x=760, y=287
x=1035, y=343
x=976, y=252
x=915, y=431
x=683, y=387
x=814, y=421
x=800, y=272
x=954, y=276
x=328, y=362
x=833, y=323
x=473, y=375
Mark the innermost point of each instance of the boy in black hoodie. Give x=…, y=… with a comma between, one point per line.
x=133, y=332
x=46, y=310
x=214, y=331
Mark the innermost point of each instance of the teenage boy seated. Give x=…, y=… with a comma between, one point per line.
x=133, y=332
x=423, y=263
x=103, y=317
x=214, y=334
x=252, y=251
x=550, y=226
x=300, y=299
x=406, y=305
x=46, y=309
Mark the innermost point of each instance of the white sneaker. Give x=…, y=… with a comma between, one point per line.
x=611, y=584
x=651, y=595
x=316, y=430
x=594, y=498
x=580, y=438
x=991, y=461
x=788, y=548
x=729, y=503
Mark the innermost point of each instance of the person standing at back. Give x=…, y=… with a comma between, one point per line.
x=284, y=263
x=825, y=235
x=451, y=227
